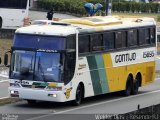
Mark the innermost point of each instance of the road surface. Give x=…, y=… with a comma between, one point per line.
x=38, y=15
x=104, y=104
x=4, y=88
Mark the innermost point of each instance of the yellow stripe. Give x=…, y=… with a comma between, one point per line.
x=52, y=84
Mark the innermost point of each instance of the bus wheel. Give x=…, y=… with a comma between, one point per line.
x=0, y=22
x=135, y=87
x=31, y=102
x=128, y=89
x=79, y=96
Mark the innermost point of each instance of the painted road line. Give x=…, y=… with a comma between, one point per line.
x=4, y=98
x=92, y=105
x=4, y=81
x=107, y=102
x=2, y=75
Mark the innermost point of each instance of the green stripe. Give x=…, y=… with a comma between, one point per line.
x=102, y=73
x=94, y=75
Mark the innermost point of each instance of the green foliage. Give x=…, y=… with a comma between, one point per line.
x=76, y=6
x=158, y=18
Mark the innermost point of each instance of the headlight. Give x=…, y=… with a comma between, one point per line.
x=15, y=85
x=53, y=88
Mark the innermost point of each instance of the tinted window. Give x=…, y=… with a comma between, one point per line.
x=147, y=35
x=152, y=35
x=18, y=4
x=69, y=67
x=132, y=38
x=144, y=36
x=83, y=44
x=120, y=40
x=71, y=42
x=109, y=40
x=158, y=38
x=39, y=42
x=97, y=42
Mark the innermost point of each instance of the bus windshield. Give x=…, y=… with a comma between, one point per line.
x=36, y=66
x=14, y=4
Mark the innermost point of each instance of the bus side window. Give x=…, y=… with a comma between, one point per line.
x=97, y=42
x=71, y=42
x=132, y=38
x=84, y=44
x=69, y=67
x=121, y=39
x=144, y=36
x=158, y=38
x=109, y=40
x=152, y=35
x=147, y=35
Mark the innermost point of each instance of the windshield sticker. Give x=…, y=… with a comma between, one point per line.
x=49, y=69
x=45, y=50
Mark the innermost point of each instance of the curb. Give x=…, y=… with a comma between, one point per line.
x=2, y=98
x=8, y=100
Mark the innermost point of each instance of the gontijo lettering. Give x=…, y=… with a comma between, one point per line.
x=125, y=57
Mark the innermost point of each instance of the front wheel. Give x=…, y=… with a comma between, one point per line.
x=79, y=96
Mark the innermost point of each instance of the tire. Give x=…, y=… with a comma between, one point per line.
x=135, y=87
x=128, y=89
x=0, y=23
x=31, y=102
x=79, y=96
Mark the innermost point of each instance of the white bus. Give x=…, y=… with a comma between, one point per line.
x=12, y=13
x=78, y=58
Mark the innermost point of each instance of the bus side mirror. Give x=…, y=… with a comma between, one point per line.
x=6, y=59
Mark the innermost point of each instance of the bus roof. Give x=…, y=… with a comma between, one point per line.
x=85, y=25
x=104, y=23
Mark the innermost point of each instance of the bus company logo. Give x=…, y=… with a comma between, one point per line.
x=125, y=57
x=68, y=92
x=81, y=66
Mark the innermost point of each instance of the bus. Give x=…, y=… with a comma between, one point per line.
x=12, y=13
x=77, y=58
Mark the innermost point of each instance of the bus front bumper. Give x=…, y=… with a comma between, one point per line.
x=37, y=94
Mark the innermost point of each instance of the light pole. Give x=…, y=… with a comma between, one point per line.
x=108, y=10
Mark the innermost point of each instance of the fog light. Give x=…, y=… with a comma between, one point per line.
x=52, y=95
x=12, y=91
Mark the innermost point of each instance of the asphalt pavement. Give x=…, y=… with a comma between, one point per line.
x=39, y=15
x=112, y=103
